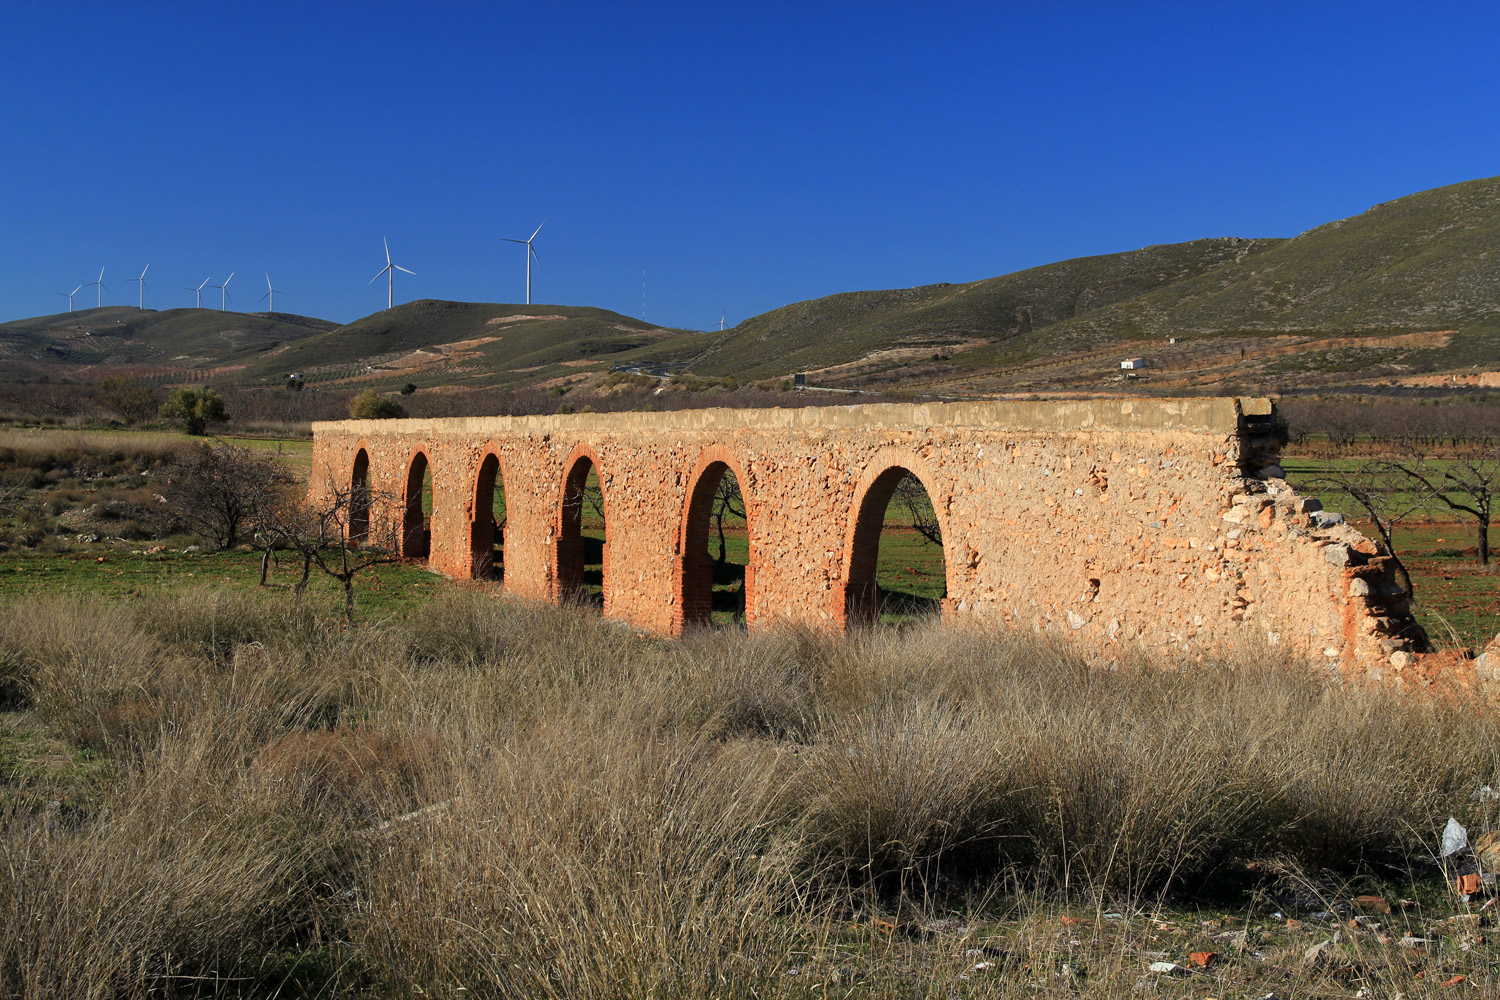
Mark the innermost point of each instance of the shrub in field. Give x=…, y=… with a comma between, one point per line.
x=191, y=877
x=371, y=405
x=356, y=773
x=588, y=863
x=84, y=666
x=223, y=490
x=128, y=396
x=895, y=787
x=196, y=408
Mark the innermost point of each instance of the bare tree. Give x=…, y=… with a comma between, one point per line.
x=727, y=500
x=911, y=497
x=1373, y=486
x=334, y=534
x=133, y=399
x=220, y=490
x=1465, y=482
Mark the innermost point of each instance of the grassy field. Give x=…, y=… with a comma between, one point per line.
x=206, y=792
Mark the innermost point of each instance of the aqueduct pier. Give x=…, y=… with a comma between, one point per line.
x=1160, y=521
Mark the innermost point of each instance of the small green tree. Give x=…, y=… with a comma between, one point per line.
x=195, y=408
x=127, y=396
x=371, y=405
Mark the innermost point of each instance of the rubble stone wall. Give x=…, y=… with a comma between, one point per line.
x=1164, y=522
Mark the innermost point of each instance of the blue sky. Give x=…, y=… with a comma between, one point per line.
x=746, y=155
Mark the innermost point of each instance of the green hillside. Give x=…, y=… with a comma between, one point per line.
x=434, y=342
x=90, y=343
x=938, y=318
x=1426, y=262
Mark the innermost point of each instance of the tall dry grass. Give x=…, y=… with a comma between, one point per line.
x=534, y=802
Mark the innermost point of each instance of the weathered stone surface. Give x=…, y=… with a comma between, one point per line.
x=1109, y=521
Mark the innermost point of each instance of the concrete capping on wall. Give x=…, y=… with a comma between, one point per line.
x=1160, y=522
x=1200, y=415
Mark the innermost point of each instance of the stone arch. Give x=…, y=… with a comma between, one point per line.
x=571, y=544
x=484, y=531
x=693, y=575
x=416, y=532
x=861, y=598
x=359, y=496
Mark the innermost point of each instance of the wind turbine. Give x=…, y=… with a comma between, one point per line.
x=391, y=269
x=100, y=283
x=199, y=290
x=69, y=296
x=271, y=294
x=530, y=253
x=142, y=280
x=224, y=291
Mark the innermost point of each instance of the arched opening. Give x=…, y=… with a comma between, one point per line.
x=359, y=499
x=897, y=573
x=582, y=552
x=717, y=580
x=487, y=532
x=416, y=525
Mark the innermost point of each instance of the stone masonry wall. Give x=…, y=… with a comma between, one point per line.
x=1163, y=522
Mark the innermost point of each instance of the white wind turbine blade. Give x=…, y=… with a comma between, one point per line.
x=229, y=279
x=507, y=239
x=399, y=268
x=387, y=250
x=380, y=275
x=538, y=229
x=78, y=289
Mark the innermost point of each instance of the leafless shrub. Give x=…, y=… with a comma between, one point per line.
x=221, y=490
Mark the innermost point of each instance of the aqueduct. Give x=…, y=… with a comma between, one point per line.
x=1163, y=521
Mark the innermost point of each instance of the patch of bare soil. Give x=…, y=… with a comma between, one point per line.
x=508, y=320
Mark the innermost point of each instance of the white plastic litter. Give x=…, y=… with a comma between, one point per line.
x=1455, y=837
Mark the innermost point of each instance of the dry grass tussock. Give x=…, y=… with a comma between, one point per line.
x=535, y=802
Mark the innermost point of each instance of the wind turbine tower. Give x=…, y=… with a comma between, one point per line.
x=199, y=291
x=100, y=282
x=69, y=296
x=271, y=294
x=390, y=271
x=141, y=304
x=224, y=292
x=530, y=253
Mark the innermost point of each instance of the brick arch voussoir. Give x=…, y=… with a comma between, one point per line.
x=502, y=473
x=346, y=479
x=580, y=451
x=709, y=456
x=880, y=463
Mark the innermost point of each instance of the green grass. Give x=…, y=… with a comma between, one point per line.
x=128, y=573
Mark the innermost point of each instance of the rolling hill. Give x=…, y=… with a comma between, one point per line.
x=1407, y=293
x=166, y=345
x=474, y=344
x=909, y=322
